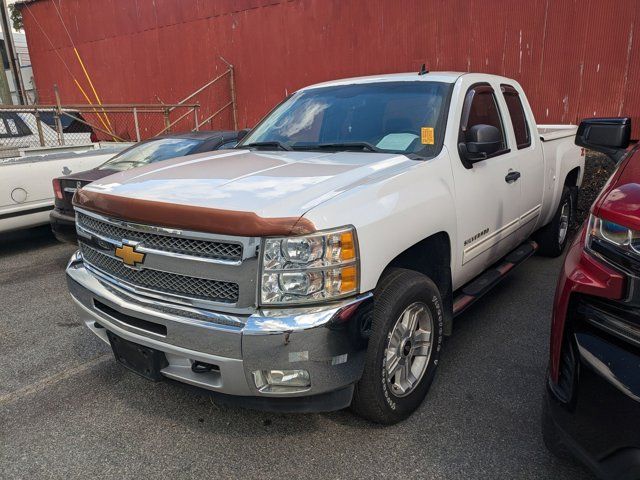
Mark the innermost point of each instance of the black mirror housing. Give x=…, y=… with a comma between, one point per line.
x=243, y=133
x=482, y=142
x=610, y=136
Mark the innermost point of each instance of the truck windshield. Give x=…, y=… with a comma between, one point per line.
x=151, y=151
x=391, y=117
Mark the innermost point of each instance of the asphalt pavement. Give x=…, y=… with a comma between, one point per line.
x=67, y=410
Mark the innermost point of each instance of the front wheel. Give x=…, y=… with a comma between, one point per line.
x=404, y=347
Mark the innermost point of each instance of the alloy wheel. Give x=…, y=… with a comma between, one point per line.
x=409, y=349
x=565, y=215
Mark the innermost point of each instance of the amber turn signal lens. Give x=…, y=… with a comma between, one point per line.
x=349, y=279
x=347, y=247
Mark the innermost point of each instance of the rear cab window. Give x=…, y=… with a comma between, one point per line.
x=518, y=116
x=11, y=125
x=13, y=128
x=71, y=121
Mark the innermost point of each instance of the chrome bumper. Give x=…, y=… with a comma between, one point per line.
x=326, y=341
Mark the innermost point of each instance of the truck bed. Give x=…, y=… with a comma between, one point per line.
x=553, y=132
x=560, y=156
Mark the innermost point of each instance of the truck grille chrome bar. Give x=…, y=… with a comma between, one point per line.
x=209, y=249
x=171, y=283
x=178, y=311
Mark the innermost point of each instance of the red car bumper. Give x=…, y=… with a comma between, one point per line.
x=581, y=273
x=593, y=390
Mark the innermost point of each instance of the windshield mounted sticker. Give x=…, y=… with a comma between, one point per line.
x=427, y=136
x=396, y=141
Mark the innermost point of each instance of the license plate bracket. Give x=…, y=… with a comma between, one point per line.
x=146, y=362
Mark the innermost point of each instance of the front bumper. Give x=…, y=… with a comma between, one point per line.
x=326, y=341
x=600, y=422
x=593, y=391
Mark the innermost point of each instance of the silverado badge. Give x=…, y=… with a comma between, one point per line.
x=128, y=254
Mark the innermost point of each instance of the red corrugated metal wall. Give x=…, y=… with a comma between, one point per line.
x=575, y=58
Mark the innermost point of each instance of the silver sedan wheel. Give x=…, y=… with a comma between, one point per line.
x=409, y=350
x=565, y=215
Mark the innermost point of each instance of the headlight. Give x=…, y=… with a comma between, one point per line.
x=618, y=236
x=309, y=268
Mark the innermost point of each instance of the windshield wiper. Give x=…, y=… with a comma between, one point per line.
x=274, y=143
x=348, y=146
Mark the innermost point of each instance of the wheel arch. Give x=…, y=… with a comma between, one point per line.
x=573, y=180
x=573, y=177
x=431, y=256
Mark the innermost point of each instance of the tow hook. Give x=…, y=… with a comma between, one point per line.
x=201, y=367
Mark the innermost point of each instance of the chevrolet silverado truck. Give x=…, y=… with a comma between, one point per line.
x=320, y=263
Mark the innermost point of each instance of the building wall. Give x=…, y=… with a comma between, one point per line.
x=575, y=58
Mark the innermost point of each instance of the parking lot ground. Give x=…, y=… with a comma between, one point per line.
x=67, y=410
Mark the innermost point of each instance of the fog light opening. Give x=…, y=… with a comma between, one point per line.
x=274, y=380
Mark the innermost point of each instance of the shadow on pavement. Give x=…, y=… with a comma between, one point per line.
x=29, y=239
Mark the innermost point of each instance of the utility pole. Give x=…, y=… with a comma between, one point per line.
x=11, y=51
x=5, y=91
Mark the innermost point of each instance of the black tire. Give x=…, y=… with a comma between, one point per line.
x=548, y=237
x=373, y=398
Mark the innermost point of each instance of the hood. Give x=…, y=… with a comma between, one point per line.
x=253, y=184
x=620, y=200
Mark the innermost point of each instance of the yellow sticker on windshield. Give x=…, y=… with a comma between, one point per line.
x=427, y=136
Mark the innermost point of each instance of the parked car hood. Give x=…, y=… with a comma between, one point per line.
x=88, y=175
x=268, y=184
x=620, y=200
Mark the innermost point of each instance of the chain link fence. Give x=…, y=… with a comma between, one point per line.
x=133, y=122
x=35, y=127
x=217, y=104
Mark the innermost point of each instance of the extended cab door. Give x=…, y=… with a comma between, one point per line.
x=530, y=156
x=487, y=192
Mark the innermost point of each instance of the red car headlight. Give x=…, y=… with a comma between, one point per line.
x=618, y=236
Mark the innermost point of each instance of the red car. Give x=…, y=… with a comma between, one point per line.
x=592, y=405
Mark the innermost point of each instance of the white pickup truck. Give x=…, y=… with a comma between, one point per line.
x=320, y=263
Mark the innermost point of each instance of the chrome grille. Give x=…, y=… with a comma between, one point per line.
x=187, y=246
x=172, y=283
x=220, y=319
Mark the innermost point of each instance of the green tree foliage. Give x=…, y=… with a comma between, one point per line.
x=16, y=17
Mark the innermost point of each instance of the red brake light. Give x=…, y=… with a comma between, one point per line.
x=57, y=189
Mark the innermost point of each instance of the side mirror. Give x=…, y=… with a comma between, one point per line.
x=482, y=141
x=243, y=133
x=606, y=135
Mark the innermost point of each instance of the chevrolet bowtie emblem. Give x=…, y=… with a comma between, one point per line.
x=129, y=255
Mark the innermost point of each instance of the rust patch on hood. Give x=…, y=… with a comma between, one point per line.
x=187, y=217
